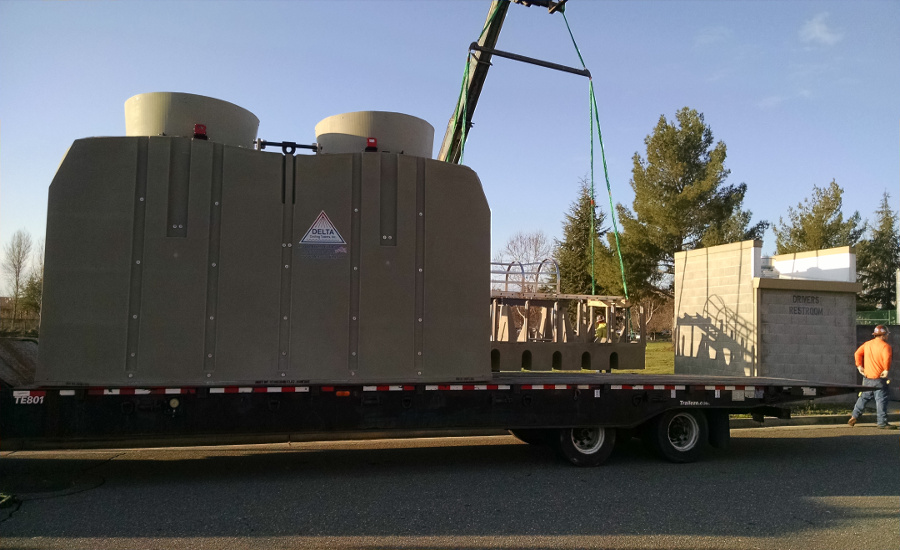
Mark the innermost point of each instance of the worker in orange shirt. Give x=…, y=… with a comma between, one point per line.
x=873, y=361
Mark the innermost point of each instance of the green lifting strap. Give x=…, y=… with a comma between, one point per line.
x=594, y=116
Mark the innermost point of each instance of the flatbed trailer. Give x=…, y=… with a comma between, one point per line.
x=580, y=414
x=200, y=290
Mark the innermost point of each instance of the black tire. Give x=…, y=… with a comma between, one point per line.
x=678, y=435
x=534, y=436
x=586, y=446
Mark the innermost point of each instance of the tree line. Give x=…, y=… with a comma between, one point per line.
x=23, y=272
x=682, y=201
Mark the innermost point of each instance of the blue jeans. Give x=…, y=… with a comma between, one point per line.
x=880, y=394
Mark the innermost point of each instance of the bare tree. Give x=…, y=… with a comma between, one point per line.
x=527, y=248
x=659, y=314
x=15, y=262
x=32, y=291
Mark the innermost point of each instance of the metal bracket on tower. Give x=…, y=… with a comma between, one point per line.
x=287, y=147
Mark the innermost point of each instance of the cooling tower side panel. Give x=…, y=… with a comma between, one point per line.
x=457, y=265
x=174, y=262
x=323, y=281
x=388, y=289
x=247, y=265
x=93, y=214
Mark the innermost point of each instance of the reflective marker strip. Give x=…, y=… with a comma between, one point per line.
x=133, y=391
x=431, y=387
x=261, y=389
x=138, y=391
x=647, y=387
x=29, y=393
x=459, y=387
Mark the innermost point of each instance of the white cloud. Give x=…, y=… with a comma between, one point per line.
x=720, y=75
x=817, y=31
x=712, y=35
x=773, y=101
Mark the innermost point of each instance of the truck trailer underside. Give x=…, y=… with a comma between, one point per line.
x=537, y=407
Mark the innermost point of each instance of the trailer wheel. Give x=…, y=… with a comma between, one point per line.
x=534, y=436
x=679, y=435
x=586, y=446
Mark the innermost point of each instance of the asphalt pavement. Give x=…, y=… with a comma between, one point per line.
x=824, y=487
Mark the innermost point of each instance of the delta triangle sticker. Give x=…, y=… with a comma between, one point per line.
x=322, y=231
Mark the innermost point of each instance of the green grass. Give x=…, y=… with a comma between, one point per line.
x=658, y=359
x=810, y=408
x=807, y=408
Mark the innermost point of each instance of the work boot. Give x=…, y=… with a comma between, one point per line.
x=852, y=421
x=887, y=427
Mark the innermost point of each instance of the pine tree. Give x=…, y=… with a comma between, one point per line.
x=878, y=259
x=681, y=202
x=818, y=223
x=573, y=253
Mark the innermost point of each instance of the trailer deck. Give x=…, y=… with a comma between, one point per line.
x=151, y=416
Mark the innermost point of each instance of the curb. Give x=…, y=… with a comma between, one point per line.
x=737, y=423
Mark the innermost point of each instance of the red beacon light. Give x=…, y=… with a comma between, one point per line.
x=371, y=145
x=200, y=131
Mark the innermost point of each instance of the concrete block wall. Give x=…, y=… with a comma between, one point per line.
x=807, y=334
x=715, y=330
x=731, y=321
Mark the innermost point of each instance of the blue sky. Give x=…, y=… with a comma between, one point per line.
x=800, y=92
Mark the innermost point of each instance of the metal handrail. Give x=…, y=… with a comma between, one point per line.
x=530, y=278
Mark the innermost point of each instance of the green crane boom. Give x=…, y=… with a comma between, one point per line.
x=478, y=64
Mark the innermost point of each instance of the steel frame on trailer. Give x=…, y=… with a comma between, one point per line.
x=134, y=416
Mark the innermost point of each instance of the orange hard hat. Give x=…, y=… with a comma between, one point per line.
x=880, y=330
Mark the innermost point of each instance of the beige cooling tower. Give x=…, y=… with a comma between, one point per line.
x=175, y=114
x=395, y=132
